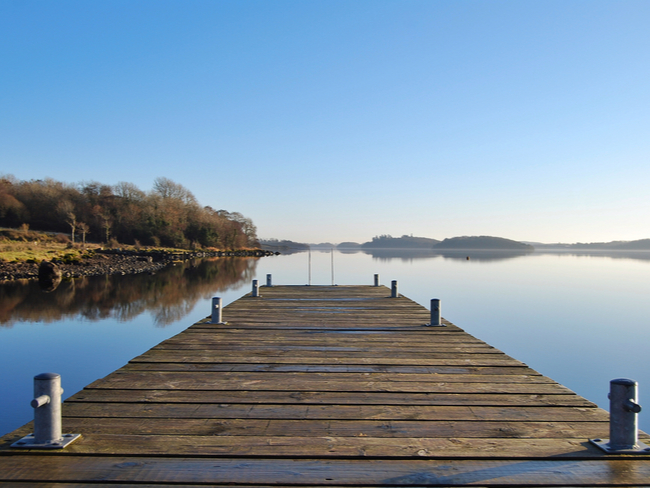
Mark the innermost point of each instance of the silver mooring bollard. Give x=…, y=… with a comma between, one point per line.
x=376, y=280
x=269, y=280
x=435, y=314
x=47, y=415
x=216, y=311
x=256, y=289
x=623, y=420
x=393, y=289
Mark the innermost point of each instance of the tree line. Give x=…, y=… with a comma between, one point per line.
x=168, y=215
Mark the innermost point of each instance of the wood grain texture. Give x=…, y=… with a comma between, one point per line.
x=325, y=386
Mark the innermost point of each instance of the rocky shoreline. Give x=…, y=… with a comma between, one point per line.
x=117, y=261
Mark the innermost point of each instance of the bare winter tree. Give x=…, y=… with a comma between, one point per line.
x=85, y=229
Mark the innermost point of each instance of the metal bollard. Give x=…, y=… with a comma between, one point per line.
x=393, y=289
x=256, y=289
x=47, y=415
x=269, y=280
x=216, y=311
x=623, y=419
x=435, y=314
x=376, y=280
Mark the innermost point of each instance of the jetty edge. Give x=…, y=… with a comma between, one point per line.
x=326, y=386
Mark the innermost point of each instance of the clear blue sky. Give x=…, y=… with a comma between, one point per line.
x=341, y=120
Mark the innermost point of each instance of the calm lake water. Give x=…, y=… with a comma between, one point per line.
x=581, y=319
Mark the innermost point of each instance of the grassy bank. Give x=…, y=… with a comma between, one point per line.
x=26, y=246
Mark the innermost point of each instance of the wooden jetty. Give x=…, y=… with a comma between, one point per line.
x=325, y=386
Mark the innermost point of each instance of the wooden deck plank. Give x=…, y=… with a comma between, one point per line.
x=328, y=368
x=92, y=395
x=336, y=428
x=293, y=380
x=326, y=386
x=433, y=359
x=474, y=413
x=333, y=472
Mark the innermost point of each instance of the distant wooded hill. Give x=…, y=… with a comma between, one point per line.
x=638, y=245
x=284, y=246
x=482, y=243
x=404, y=242
x=476, y=243
x=459, y=243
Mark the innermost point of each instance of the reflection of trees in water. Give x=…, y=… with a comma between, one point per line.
x=409, y=255
x=483, y=255
x=406, y=255
x=168, y=295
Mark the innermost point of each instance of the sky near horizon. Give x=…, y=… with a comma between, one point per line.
x=341, y=120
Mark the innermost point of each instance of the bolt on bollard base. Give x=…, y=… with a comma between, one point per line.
x=29, y=442
x=47, y=416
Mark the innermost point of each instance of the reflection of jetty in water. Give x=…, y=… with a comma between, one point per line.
x=168, y=295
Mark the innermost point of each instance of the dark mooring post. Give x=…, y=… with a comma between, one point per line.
x=436, y=319
x=393, y=289
x=376, y=280
x=623, y=420
x=256, y=289
x=269, y=280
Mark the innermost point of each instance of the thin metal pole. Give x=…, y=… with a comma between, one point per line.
x=332, y=256
x=309, y=267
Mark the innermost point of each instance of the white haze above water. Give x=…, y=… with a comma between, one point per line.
x=582, y=320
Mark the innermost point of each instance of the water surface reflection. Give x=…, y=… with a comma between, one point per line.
x=167, y=295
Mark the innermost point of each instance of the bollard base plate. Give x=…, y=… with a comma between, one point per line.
x=640, y=448
x=435, y=325
x=29, y=442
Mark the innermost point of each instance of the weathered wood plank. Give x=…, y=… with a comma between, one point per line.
x=326, y=447
x=376, y=359
x=336, y=428
x=88, y=395
x=329, y=472
x=296, y=378
x=329, y=368
x=174, y=381
x=335, y=412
